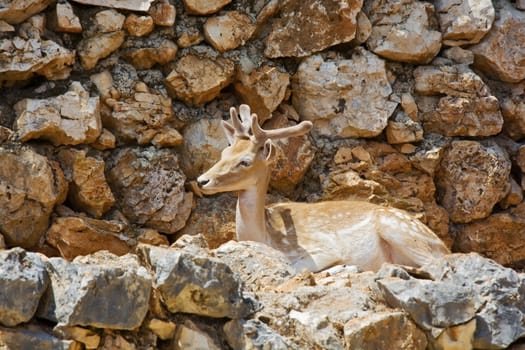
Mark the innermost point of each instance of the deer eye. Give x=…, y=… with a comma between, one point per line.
x=245, y=163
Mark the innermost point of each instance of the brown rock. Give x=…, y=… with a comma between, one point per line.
x=513, y=112
x=5, y=134
x=165, y=330
x=190, y=39
x=303, y=28
x=69, y=119
x=514, y=197
x=464, y=23
x=17, y=11
x=106, y=140
x=6, y=27
x=163, y=14
x=228, y=31
x=190, y=337
x=108, y=21
x=30, y=187
x=88, y=189
x=132, y=5
x=149, y=187
x=263, y=89
x=344, y=98
x=63, y=19
x=88, y=337
x=500, y=53
x=139, y=25
x=161, y=51
x=403, y=130
x=403, y=30
x=204, y=7
x=197, y=80
x=472, y=178
x=99, y=46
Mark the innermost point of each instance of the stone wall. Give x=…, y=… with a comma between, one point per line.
x=109, y=108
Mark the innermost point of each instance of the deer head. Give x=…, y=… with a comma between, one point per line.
x=245, y=162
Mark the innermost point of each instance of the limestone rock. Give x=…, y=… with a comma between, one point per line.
x=101, y=45
x=100, y=290
x=89, y=338
x=88, y=189
x=472, y=178
x=23, y=280
x=190, y=39
x=163, y=13
x=500, y=53
x=196, y=284
x=229, y=31
x=164, y=329
x=204, y=7
x=513, y=112
x=464, y=22
x=77, y=235
x=253, y=334
x=403, y=30
x=17, y=11
x=69, y=119
x=403, y=130
x=34, y=338
x=21, y=58
x=457, y=337
x=143, y=117
x=63, y=19
x=149, y=187
x=132, y=5
x=501, y=291
x=106, y=140
x=190, y=337
x=197, y=80
x=263, y=89
x=108, y=21
x=144, y=55
x=382, y=331
x=139, y=25
x=514, y=197
x=303, y=28
x=344, y=98
x=30, y=187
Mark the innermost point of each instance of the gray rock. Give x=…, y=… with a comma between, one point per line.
x=31, y=338
x=196, y=284
x=23, y=280
x=253, y=334
x=99, y=290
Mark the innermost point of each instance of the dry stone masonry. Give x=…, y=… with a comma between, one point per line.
x=109, y=109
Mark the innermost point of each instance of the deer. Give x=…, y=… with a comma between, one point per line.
x=313, y=236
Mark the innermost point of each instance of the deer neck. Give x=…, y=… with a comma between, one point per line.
x=250, y=216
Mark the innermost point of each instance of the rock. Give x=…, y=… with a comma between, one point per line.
x=253, y=334
x=108, y=21
x=514, y=197
x=6, y=27
x=464, y=23
x=85, y=292
x=344, y=98
x=459, y=55
x=116, y=341
x=190, y=39
x=263, y=89
x=69, y=119
x=89, y=338
x=196, y=284
x=457, y=337
x=197, y=80
x=163, y=13
x=472, y=178
x=149, y=188
x=513, y=112
x=206, y=7
x=303, y=28
x=88, y=189
x=63, y=19
x=383, y=330
x=2, y=243
x=76, y=235
x=106, y=140
x=501, y=291
x=92, y=49
x=500, y=53
x=143, y=118
x=161, y=51
x=163, y=329
x=363, y=30
x=229, y=31
x=32, y=337
x=17, y=11
x=190, y=337
x=204, y=141
x=23, y=280
x=403, y=130
x=132, y=5
x=403, y=31
x=30, y=187
x=5, y=134
x=139, y=25
x=21, y=58
x=259, y=266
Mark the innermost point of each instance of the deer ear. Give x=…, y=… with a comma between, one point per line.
x=229, y=130
x=268, y=150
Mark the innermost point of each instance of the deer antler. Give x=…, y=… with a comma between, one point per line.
x=250, y=122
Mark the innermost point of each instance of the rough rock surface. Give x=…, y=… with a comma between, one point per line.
x=17, y=11
x=63, y=19
x=84, y=291
x=500, y=53
x=132, y=5
x=253, y=334
x=149, y=188
x=472, y=178
x=34, y=338
x=99, y=46
x=144, y=55
x=403, y=30
x=302, y=27
x=354, y=104
x=23, y=280
x=464, y=22
x=69, y=119
x=206, y=7
x=30, y=187
x=228, y=31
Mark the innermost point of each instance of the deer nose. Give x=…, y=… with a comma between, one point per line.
x=202, y=181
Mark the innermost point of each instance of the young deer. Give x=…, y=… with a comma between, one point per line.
x=314, y=236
